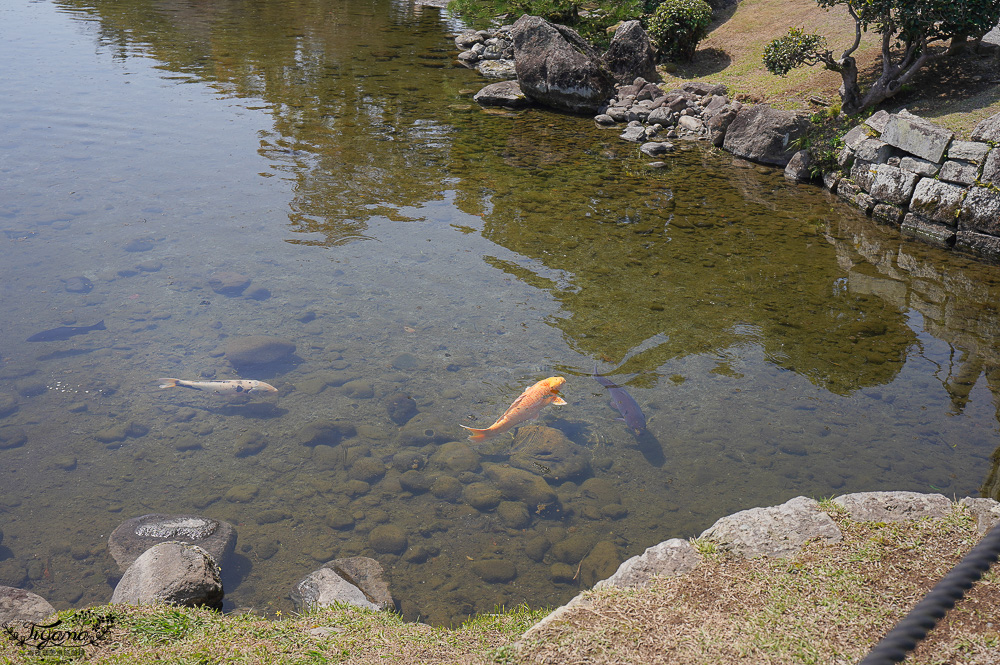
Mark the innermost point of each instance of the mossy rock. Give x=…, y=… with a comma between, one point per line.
x=456, y=456
x=387, y=539
x=514, y=514
x=482, y=496
x=494, y=571
x=367, y=469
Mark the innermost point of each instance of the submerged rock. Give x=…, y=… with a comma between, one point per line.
x=547, y=451
x=228, y=283
x=258, y=350
x=387, y=539
x=135, y=536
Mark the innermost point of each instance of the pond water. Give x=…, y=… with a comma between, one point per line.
x=411, y=245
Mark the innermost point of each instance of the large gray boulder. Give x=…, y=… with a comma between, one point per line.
x=21, y=605
x=171, y=573
x=668, y=559
x=777, y=531
x=557, y=68
x=631, y=54
x=136, y=535
x=764, y=135
x=893, y=506
x=356, y=581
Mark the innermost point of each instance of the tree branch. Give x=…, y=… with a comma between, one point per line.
x=857, y=32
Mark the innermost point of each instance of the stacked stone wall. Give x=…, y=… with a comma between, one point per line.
x=906, y=171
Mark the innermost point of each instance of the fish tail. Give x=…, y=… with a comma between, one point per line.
x=477, y=434
x=168, y=383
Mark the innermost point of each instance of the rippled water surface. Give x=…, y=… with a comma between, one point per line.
x=411, y=245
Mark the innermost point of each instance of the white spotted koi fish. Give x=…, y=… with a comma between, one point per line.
x=526, y=407
x=228, y=387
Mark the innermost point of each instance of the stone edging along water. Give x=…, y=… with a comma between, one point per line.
x=167, y=564
x=777, y=531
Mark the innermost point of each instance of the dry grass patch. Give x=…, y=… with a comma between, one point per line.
x=828, y=604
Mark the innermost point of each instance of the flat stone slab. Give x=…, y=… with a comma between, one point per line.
x=893, y=506
x=777, y=531
x=667, y=559
x=135, y=536
x=917, y=136
x=934, y=233
x=969, y=151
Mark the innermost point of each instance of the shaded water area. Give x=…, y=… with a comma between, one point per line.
x=413, y=245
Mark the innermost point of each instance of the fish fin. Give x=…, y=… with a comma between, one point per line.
x=477, y=434
x=168, y=383
x=559, y=401
x=100, y=325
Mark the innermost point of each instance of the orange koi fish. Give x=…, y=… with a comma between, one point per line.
x=526, y=407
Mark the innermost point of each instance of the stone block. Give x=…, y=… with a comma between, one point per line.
x=919, y=166
x=917, y=136
x=874, y=150
x=864, y=203
x=863, y=173
x=928, y=231
x=797, y=169
x=853, y=138
x=830, y=180
x=878, y=121
x=969, y=151
x=846, y=158
x=888, y=213
x=847, y=190
x=960, y=172
x=991, y=168
x=980, y=211
x=988, y=130
x=983, y=245
x=937, y=201
x=890, y=184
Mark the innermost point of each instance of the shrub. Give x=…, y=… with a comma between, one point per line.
x=678, y=25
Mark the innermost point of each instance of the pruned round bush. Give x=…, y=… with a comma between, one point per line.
x=678, y=25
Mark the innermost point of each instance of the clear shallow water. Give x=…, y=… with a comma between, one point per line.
x=408, y=242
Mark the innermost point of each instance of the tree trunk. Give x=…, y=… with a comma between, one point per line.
x=850, y=95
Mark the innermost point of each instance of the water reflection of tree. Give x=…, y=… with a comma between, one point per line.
x=675, y=259
x=356, y=120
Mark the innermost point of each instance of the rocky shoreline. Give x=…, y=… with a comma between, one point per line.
x=171, y=563
x=897, y=168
